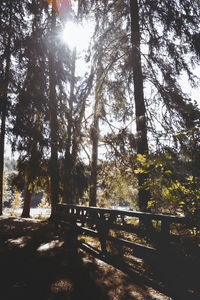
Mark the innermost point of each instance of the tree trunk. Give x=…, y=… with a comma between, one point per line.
x=68, y=181
x=141, y=122
x=54, y=181
x=93, y=179
x=95, y=135
x=2, y=146
x=27, y=202
x=4, y=100
x=68, y=189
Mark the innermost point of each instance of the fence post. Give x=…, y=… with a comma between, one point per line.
x=103, y=229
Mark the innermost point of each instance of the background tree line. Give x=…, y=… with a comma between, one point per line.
x=129, y=103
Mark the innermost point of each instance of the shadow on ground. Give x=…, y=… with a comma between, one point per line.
x=167, y=275
x=38, y=263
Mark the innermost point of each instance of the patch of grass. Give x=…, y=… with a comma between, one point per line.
x=40, y=217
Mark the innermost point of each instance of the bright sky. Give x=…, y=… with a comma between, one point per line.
x=193, y=92
x=77, y=35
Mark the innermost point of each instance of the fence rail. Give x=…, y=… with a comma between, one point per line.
x=99, y=222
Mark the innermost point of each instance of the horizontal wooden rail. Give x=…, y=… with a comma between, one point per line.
x=79, y=210
x=97, y=222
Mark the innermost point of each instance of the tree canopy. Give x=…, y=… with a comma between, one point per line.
x=87, y=124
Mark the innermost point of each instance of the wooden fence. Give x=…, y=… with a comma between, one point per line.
x=106, y=224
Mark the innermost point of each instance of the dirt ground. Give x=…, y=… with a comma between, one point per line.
x=36, y=262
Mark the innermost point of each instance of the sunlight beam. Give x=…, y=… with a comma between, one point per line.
x=75, y=35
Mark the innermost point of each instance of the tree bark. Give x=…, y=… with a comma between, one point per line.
x=4, y=100
x=94, y=166
x=27, y=202
x=73, y=137
x=2, y=147
x=54, y=181
x=95, y=135
x=68, y=189
x=141, y=122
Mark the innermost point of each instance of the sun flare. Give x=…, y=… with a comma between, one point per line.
x=75, y=35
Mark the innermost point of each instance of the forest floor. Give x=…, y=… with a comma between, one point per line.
x=38, y=263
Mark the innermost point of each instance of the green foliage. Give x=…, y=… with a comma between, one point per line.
x=7, y=190
x=17, y=201
x=189, y=190
x=174, y=177
x=117, y=185
x=159, y=167
x=169, y=40
x=44, y=202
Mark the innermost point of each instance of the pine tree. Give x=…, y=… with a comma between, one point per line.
x=11, y=23
x=153, y=47
x=79, y=90
x=95, y=132
x=68, y=196
x=31, y=106
x=53, y=111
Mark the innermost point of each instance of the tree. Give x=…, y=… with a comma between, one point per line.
x=138, y=52
x=11, y=16
x=75, y=116
x=4, y=93
x=140, y=111
x=161, y=35
x=31, y=106
x=68, y=196
x=179, y=16
x=79, y=90
x=116, y=187
x=53, y=170
x=186, y=191
x=4, y=105
x=95, y=132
